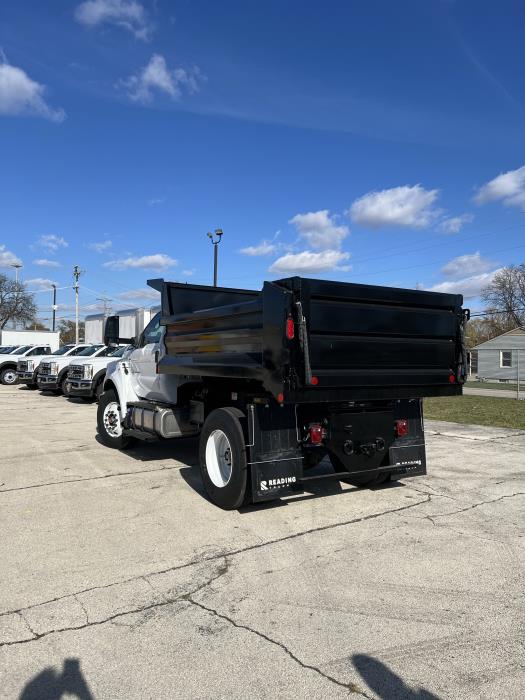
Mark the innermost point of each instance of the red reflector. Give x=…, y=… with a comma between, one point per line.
x=401, y=427
x=451, y=378
x=316, y=433
x=280, y=398
x=290, y=330
x=314, y=381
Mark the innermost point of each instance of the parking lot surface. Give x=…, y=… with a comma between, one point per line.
x=120, y=580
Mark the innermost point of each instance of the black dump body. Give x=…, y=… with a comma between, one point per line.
x=350, y=341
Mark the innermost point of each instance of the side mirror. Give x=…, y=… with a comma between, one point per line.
x=112, y=333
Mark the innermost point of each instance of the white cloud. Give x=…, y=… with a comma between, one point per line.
x=157, y=77
x=468, y=286
x=508, y=187
x=19, y=95
x=189, y=273
x=43, y=262
x=7, y=259
x=52, y=243
x=128, y=14
x=158, y=262
x=308, y=262
x=39, y=284
x=398, y=206
x=319, y=229
x=146, y=293
x=467, y=265
x=100, y=247
x=454, y=224
x=264, y=248
x=156, y=201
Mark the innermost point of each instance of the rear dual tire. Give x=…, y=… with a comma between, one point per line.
x=222, y=458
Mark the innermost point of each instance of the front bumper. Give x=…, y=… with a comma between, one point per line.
x=26, y=377
x=47, y=382
x=80, y=387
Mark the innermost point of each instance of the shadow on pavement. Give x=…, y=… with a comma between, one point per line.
x=50, y=685
x=385, y=683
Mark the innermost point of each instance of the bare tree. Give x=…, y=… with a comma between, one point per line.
x=67, y=331
x=16, y=303
x=505, y=297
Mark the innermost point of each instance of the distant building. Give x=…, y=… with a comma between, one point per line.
x=500, y=358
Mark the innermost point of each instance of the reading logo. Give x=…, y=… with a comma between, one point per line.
x=277, y=483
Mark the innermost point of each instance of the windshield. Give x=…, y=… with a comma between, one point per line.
x=8, y=349
x=22, y=349
x=118, y=352
x=63, y=350
x=90, y=350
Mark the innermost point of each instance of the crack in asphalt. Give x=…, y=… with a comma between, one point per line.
x=91, y=478
x=475, y=505
x=435, y=433
x=352, y=687
x=222, y=555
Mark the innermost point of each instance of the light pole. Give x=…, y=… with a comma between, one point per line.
x=17, y=267
x=54, y=304
x=219, y=233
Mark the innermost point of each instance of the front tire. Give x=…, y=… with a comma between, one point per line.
x=8, y=376
x=222, y=458
x=63, y=386
x=109, y=422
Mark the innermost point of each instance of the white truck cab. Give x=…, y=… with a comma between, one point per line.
x=135, y=378
x=9, y=360
x=52, y=372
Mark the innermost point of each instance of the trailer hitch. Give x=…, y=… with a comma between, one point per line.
x=364, y=448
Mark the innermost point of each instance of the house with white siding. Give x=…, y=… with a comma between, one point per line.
x=500, y=358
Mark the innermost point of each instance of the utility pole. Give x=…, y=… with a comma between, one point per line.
x=76, y=274
x=17, y=266
x=218, y=233
x=54, y=304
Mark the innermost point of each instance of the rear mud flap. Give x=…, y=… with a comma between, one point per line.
x=275, y=458
x=408, y=460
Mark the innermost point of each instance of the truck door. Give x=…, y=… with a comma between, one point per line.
x=143, y=361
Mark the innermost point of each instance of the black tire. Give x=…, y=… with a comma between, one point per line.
x=63, y=386
x=361, y=480
x=6, y=376
x=226, y=423
x=99, y=389
x=32, y=386
x=121, y=442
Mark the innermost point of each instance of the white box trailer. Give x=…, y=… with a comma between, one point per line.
x=133, y=321
x=13, y=337
x=94, y=328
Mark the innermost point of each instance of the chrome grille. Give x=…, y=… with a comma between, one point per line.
x=45, y=368
x=75, y=372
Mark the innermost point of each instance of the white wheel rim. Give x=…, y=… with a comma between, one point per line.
x=10, y=377
x=111, y=420
x=219, y=460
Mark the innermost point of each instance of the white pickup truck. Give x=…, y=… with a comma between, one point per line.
x=86, y=376
x=52, y=372
x=9, y=361
x=27, y=369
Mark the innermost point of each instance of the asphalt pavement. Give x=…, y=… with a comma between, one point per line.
x=120, y=580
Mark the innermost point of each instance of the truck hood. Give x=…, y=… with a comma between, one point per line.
x=98, y=362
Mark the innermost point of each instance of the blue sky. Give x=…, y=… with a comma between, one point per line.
x=372, y=142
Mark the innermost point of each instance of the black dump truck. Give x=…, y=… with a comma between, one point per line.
x=276, y=380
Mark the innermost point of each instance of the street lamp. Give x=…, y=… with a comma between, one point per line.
x=17, y=267
x=218, y=233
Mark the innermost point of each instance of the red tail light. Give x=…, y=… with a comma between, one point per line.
x=401, y=427
x=290, y=329
x=452, y=378
x=316, y=433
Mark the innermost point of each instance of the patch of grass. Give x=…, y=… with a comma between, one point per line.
x=492, y=385
x=477, y=410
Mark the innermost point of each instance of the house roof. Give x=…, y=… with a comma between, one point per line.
x=499, y=342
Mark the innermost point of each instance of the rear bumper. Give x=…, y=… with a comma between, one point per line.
x=80, y=387
x=47, y=382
